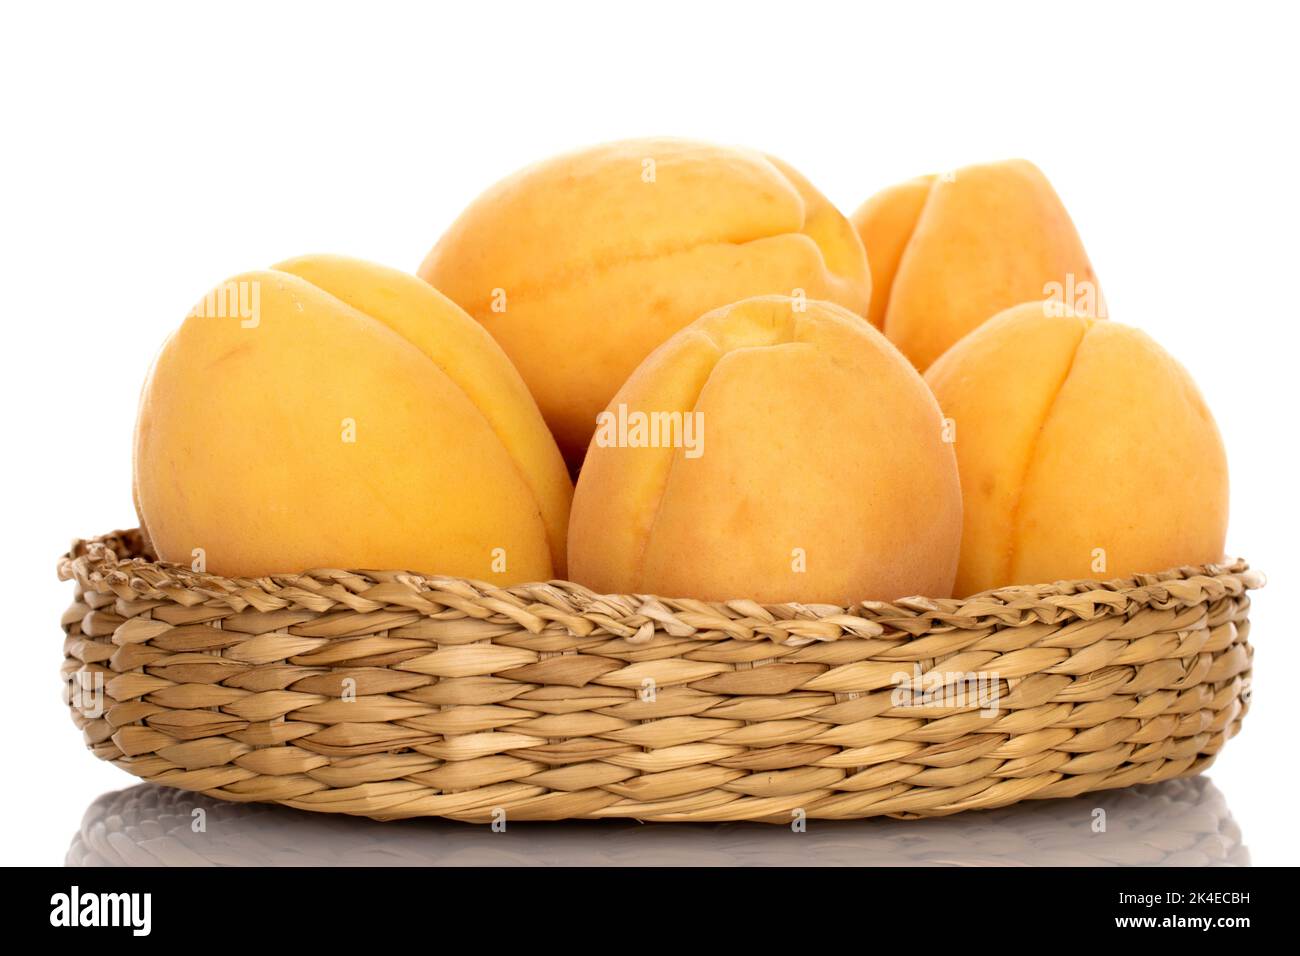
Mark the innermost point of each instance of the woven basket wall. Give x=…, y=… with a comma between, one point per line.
x=393, y=695
x=1175, y=823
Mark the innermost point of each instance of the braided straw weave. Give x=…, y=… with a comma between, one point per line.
x=389, y=694
x=1174, y=823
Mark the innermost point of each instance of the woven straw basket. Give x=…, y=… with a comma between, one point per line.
x=389, y=694
x=1174, y=823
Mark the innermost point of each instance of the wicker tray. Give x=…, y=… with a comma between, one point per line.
x=389, y=694
x=1174, y=823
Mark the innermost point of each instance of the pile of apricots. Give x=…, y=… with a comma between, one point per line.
x=758, y=396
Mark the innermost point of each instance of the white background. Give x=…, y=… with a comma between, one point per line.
x=152, y=150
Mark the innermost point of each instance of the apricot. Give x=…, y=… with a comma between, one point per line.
x=333, y=413
x=582, y=264
x=949, y=251
x=1085, y=451
x=815, y=467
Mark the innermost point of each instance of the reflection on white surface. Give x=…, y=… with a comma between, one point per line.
x=1178, y=823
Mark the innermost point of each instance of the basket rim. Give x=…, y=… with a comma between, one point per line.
x=122, y=562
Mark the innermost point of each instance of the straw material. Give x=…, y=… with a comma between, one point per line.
x=390, y=695
x=1175, y=823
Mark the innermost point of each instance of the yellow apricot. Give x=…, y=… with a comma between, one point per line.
x=818, y=470
x=333, y=413
x=1085, y=451
x=949, y=251
x=582, y=264
x=885, y=222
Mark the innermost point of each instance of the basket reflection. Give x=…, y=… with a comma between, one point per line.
x=1183, y=822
